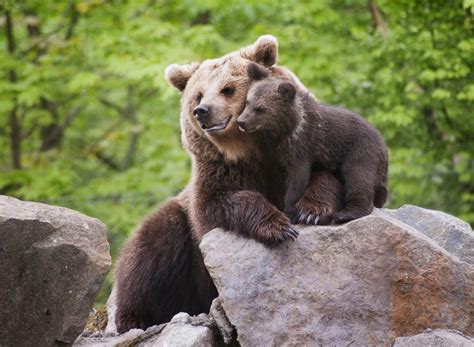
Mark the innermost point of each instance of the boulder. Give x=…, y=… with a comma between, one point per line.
x=52, y=264
x=451, y=233
x=182, y=330
x=362, y=283
x=435, y=338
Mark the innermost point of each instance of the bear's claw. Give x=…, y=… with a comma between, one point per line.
x=275, y=230
x=306, y=217
x=311, y=217
x=290, y=233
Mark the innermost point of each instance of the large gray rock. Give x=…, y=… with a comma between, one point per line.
x=449, y=232
x=362, y=283
x=52, y=264
x=435, y=338
x=182, y=330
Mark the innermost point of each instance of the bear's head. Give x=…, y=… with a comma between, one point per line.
x=271, y=107
x=214, y=94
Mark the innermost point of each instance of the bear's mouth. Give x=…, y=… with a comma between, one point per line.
x=216, y=127
x=247, y=130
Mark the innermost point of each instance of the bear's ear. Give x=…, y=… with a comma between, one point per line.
x=178, y=75
x=264, y=51
x=256, y=72
x=287, y=90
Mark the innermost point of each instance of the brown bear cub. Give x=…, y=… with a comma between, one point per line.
x=309, y=136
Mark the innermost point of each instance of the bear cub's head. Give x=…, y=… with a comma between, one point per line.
x=271, y=106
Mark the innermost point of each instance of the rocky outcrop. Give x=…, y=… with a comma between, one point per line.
x=52, y=264
x=362, y=283
x=182, y=330
x=451, y=233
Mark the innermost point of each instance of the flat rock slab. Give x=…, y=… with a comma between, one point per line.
x=362, y=283
x=52, y=264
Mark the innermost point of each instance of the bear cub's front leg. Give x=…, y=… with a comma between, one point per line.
x=321, y=200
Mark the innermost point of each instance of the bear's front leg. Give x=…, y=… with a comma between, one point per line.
x=254, y=215
x=246, y=212
x=321, y=200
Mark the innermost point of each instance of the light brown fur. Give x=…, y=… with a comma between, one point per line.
x=209, y=78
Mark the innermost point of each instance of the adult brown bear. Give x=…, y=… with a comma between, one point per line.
x=233, y=186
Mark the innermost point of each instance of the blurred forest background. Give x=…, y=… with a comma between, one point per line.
x=87, y=120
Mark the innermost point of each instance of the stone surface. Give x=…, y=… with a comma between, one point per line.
x=435, y=338
x=104, y=339
x=451, y=233
x=52, y=264
x=219, y=319
x=182, y=330
x=358, y=284
x=111, y=309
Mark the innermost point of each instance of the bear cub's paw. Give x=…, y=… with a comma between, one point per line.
x=311, y=213
x=275, y=229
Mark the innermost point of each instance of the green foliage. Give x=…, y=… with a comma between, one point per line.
x=99, y=129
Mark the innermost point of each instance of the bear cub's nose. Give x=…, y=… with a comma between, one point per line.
x=202, y=113
x=241, y=125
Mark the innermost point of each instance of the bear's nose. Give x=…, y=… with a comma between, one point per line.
x=201, y=112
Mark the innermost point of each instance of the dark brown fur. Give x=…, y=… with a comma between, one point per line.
x=162, y=271
x=320, y=201
x=233, y=186
x=311, y=136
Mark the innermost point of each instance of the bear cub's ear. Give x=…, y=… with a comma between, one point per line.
x=257, y=72
x=287, y=91
x=178, y=75
x=264, y=51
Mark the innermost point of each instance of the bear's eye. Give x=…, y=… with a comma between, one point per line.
x=228, y=91
x=199, y=97
x=259, y=110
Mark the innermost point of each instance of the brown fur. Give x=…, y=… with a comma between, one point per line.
x=160, y=271
x=233, y=186
x=311, y=136
x=320, y=201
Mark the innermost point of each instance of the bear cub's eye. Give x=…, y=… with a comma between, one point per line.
x=259, y=110
x=199, y=97
x=228, y=91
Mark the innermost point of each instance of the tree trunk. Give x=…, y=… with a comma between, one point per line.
x=377, y=20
